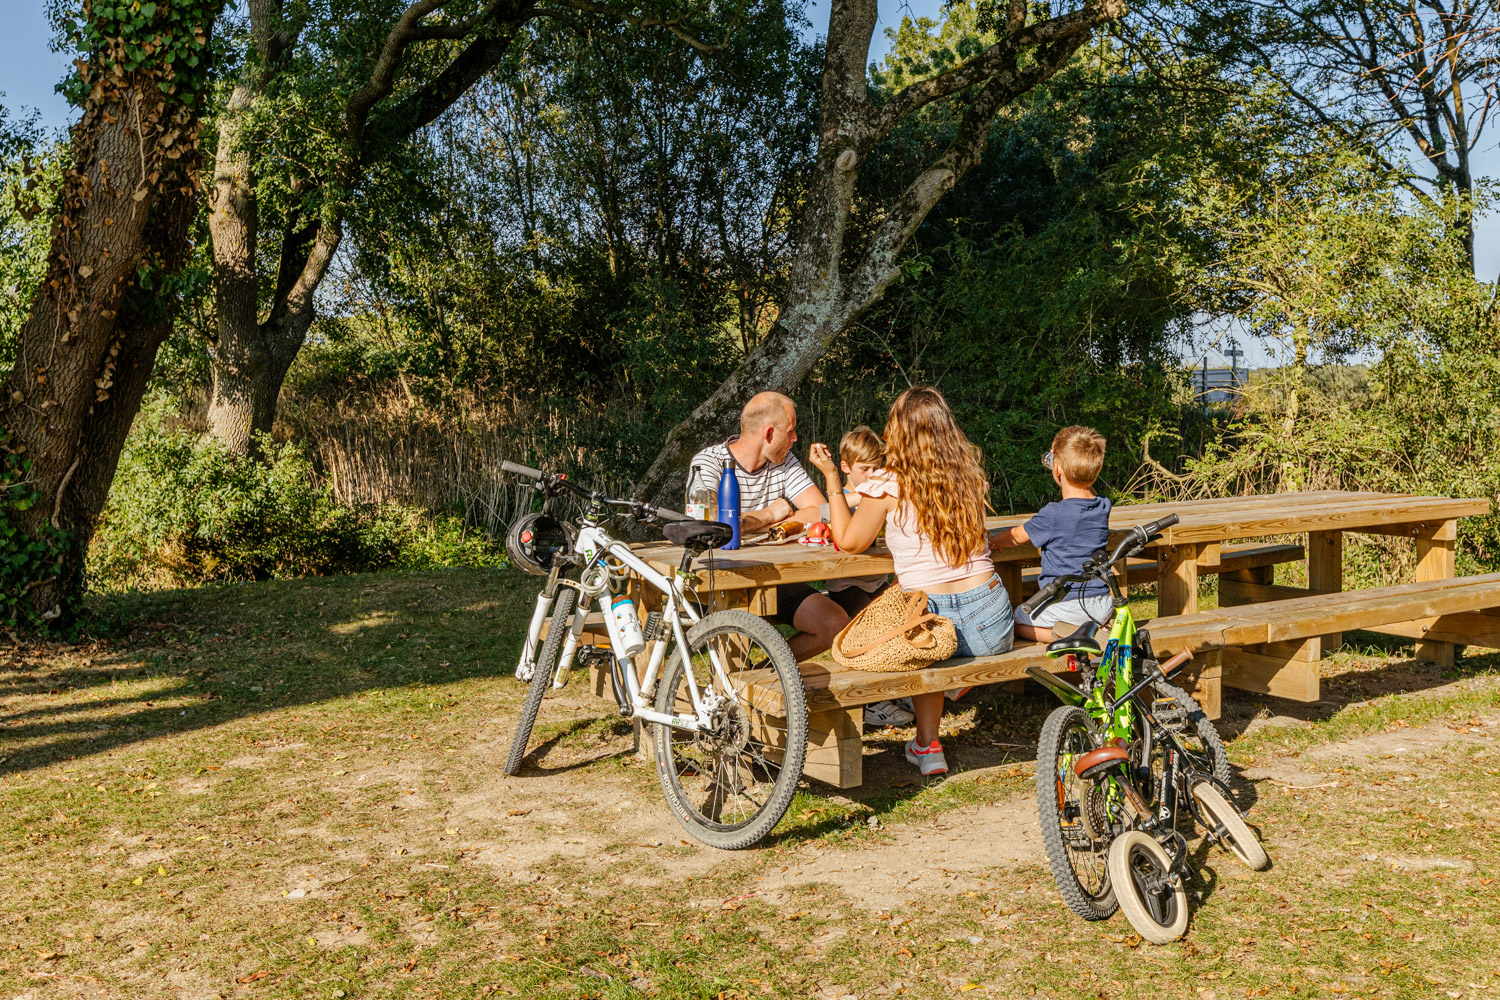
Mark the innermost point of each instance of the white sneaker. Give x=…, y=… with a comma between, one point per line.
x=888, y=713
x=929, y=759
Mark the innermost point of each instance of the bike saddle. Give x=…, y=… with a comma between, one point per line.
x=697, y=535
x=1081, y=641
x=1092, y=765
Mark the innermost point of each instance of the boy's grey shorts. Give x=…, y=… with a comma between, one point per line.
x=1074, y=613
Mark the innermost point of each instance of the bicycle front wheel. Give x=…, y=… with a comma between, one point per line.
x=1233, y=832
x=541, y=676
x=730, y=785
x=1073, y=814
x=1153, y=898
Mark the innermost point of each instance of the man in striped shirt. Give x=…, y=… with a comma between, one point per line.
x=773, y=488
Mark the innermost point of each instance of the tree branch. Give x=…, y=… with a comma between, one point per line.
x=674, y=25
x=422, y=107
x=989, y=62
x=877, y=269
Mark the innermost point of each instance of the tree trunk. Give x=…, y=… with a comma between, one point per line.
x=85, y=352
x=251, y=357
x=822, y=300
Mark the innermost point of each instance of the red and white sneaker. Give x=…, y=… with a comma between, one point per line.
x=929, y=759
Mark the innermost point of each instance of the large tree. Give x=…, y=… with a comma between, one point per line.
x=319, y=105
x=833, y=282
x=1392, y=77
x=85, y=351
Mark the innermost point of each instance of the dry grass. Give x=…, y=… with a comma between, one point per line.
x=292, y=789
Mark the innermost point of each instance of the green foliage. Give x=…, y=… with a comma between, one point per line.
x=607, y=218
x=167, y=37
x=184, y=511
x=1052, y=285
x=26, y=557
x=30, y=172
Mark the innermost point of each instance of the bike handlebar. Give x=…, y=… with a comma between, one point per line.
x=551, y=480
x=521, y=470
x=1134, y=540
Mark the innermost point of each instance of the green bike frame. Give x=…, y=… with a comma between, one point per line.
x=1118, y=661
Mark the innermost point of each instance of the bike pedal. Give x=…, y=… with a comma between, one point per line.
x=1169, y=714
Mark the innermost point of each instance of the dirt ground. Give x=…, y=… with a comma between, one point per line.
x=294, y=790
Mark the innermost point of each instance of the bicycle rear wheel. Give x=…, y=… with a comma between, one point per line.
x=1200, y=740
x=731, y=785
x=541, y=677
x=1075, y=830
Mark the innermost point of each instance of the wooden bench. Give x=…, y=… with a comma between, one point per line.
x=1256, y=647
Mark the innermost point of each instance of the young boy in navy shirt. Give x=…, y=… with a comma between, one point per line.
x=1067, y=532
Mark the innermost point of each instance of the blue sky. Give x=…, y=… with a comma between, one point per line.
x=29, y=70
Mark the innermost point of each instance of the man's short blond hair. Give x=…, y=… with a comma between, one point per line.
x=1078, y=452
x=861, y=445
x=764, y=409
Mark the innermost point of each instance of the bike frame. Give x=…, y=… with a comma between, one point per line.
x=595, y=546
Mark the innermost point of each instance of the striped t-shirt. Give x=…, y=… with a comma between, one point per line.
x=758, y=489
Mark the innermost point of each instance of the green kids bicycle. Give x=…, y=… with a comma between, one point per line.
x=1120, y=763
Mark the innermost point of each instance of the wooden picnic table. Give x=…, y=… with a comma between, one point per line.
x=748, y=577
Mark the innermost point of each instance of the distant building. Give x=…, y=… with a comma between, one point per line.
x=1216, y=377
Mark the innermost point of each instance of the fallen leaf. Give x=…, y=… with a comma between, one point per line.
x=263, y=973
x=160, y=870
x=410, y=965
x=518, y=812
x=966, y=987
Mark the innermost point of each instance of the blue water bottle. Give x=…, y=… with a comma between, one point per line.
x=729, y=502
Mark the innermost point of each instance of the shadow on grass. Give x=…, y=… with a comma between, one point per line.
x=1359, y=683
x=195, y=659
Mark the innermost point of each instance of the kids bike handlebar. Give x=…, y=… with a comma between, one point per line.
x=639, y=509
x=1096, y=568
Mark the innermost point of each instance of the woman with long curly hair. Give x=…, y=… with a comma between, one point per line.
x=930, y=498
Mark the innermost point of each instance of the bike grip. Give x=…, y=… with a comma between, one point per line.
x=521, y=470
x=1034, y=603
x=1157, y=526
x=1177, y=661
x=663, y=514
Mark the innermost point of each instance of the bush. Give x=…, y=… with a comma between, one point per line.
x=183, y=511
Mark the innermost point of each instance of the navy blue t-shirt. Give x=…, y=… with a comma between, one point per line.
x=1068, y=532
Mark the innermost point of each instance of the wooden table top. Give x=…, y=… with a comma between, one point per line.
x=1199, y=521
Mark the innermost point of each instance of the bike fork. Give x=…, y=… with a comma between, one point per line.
x=527, y=665
x=570, y=647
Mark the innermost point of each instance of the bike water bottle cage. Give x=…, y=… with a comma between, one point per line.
x=536, y=541
x=1081, y=641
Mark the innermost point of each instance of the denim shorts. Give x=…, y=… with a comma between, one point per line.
x=981, y=616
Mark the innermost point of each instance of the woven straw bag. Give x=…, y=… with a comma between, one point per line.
x=895, y=632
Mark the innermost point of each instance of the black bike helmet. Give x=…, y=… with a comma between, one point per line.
x=535, y=540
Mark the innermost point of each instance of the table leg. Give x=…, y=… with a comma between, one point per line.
x=1010, y=576
x=1435, y=561
x=1325, y=572
x=1177, y=579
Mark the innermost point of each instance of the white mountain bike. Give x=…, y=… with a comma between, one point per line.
x=728, y=768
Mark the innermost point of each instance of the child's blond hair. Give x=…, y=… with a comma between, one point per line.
x=861, y=445
x=1078, y=452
